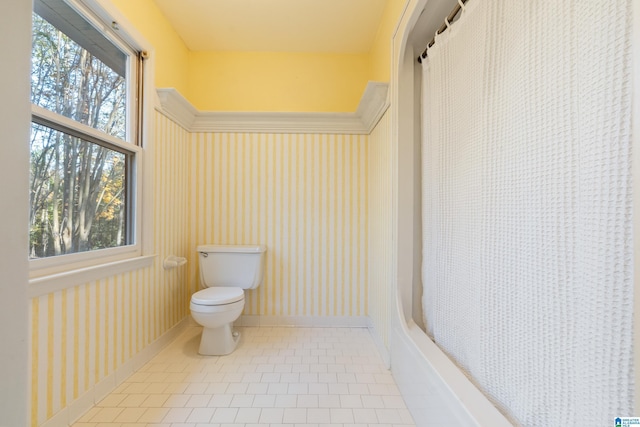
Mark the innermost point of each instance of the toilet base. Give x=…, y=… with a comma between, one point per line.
x=218, y=341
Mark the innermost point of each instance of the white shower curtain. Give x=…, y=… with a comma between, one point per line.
x=527, y=219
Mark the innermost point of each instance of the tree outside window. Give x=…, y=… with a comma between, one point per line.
x=79, y=183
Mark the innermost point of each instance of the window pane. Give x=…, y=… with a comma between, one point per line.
x=69, y=80
x=77, y=194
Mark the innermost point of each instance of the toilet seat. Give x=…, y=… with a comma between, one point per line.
x=218, y=310
x=219, y=295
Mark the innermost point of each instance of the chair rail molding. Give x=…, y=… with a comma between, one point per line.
x=373, y=104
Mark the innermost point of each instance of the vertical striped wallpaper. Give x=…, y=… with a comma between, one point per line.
x=303, y=196
x=171, y=207
x=380, y=230
x=81, y=335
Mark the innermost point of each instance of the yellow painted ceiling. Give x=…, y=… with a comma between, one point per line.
x=336, y=26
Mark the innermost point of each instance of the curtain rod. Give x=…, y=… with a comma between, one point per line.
x=443, y=27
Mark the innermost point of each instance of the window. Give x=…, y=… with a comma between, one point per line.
x=84, y=139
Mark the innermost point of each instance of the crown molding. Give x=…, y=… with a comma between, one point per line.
x=176, y=107
x=372, y=106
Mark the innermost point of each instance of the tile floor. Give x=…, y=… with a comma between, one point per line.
x=278, y=376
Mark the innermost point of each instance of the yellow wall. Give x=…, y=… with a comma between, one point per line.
x=380, y=55
x=172, y=60
x=304, y=197
x=263, y=81
x=81, y=335
x=276, y=81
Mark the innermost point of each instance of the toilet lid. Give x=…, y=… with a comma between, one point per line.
x=217, y=296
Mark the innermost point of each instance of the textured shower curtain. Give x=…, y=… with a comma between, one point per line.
x=527, y=215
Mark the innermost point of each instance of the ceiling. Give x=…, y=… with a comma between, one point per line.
x=336, y=26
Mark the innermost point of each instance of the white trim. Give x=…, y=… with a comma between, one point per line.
x=54, y=118
x=376, y=336
x=276, y=122
x=48, y=266
x=59, y=419
x=146, y=186
x=41, y=267
x=54, y=282
x=74, y=411
x=108, y=12
x=15, y=332
x=140, y=254
x=172, y=104
x=373, y=105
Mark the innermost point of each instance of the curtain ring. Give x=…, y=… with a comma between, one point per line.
x=461, y=3
x=446, y=21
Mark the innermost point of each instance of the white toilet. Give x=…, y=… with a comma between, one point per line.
x=225, y=271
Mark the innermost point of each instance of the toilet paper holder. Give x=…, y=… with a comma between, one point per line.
x=173, y=261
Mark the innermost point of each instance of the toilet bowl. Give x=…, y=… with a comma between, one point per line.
x=216, y=309
x=225, y=272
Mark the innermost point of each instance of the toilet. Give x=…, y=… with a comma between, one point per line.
x=225, y=272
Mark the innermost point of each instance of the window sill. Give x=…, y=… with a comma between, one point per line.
x=69, y=279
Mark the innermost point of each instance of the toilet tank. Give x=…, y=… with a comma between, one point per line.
x=240, y=266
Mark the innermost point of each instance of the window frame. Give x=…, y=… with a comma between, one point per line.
x=58, y=272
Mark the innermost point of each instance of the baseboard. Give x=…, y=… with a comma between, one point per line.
x=305, y=321
x=60, y=419
x=379, y=343
x=74, y=411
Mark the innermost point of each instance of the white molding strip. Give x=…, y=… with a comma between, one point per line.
x=74, y=412
x=176, y=107
x=382, y=349
x=372, y=106
x=274, y=122
x=55, y=282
